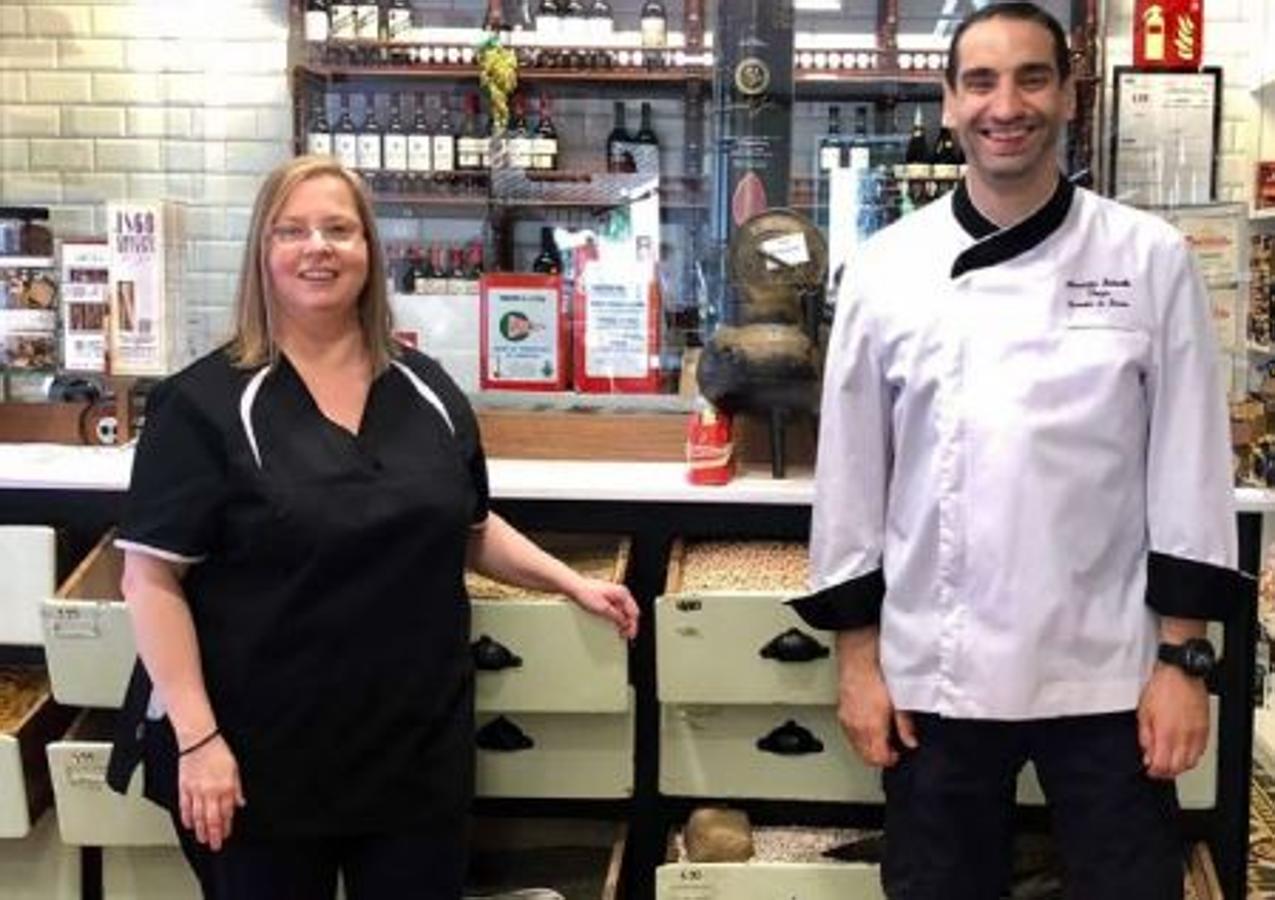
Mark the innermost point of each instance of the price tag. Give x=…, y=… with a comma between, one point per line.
x=71, y=622
x=788, y=250
x=87, y=768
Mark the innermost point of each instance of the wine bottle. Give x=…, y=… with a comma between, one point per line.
x=396, y=139
x=420, y=143
x=444, y=139
x=469, y=146
x=645, y=133
x=575, y=21
x=544, y=145
x=368, y=23
x=408, y=282
x=918, y=149
x=519, y=134
x=317, y=26
x=601, y=23
x=344, y=21
x=619, y=153
x=548, y=262
x=398, y=25
x=830, y=144
x=474, y=260
x=319, y=132
x=653, y=21
x=345, y=136
x=860, y=155
x=370, y=138
x=549, y=20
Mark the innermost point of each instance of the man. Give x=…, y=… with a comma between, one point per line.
x=1023, y=507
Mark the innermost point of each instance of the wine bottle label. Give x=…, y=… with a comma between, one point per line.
x=470, y=153
x=444, y=153
x=860, y=158
x=544, y=153
x=829, y=157
x=369, y=151
x=344, y=21
x=601, y=29
x=653, y=32
x=575, y=28
x=520, y=153
x=366, y=28
x=418, y=152
x=396, y=152
x=347, y=150
x=400, y=26
x=549, y=26
x=319, y=143
x=316, y=27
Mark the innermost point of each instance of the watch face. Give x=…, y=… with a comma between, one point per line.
x=1197, y=657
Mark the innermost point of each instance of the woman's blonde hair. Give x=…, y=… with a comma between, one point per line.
x=254, y=341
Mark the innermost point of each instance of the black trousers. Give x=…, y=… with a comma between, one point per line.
x=415, y=865
x=950, y=809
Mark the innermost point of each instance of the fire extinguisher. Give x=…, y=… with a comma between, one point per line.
x=1153, y=33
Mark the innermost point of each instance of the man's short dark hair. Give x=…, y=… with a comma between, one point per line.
x=1023, y=12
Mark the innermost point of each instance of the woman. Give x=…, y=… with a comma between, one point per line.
x=304, y=502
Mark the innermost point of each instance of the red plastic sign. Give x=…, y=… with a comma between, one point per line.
x=1168, y=34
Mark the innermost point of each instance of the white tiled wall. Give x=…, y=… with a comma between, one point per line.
x=143, y=99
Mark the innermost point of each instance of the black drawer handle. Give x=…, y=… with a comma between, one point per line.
x=502, y=736
x=492, y=656
x=794, y=646
x=790, y=739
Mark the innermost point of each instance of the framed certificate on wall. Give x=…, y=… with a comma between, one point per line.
x=1164, y=137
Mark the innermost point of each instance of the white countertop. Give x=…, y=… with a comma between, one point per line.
x=64, y=467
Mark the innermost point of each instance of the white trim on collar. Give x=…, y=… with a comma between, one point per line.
x=246, y=399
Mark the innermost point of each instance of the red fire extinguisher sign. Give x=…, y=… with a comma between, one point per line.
x=1168, y=34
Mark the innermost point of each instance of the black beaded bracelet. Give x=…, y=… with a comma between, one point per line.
x=202, y=742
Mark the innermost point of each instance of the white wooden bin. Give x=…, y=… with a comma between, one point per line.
x=569, y=660
x=573, y=755
x=725, y=645
x=764, y=878
x=88, y=637
x=28, y=559
x=25, y=792
x=544, y=654
x=89, y=812
x=712, y=751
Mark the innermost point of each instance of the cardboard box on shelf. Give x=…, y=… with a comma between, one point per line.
x=146, y=262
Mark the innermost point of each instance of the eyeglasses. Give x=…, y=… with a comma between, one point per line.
x=337, y=234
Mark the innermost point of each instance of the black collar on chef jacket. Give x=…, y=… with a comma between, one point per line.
x=996, y=245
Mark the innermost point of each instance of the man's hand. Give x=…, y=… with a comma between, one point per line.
x=864, y=707
x=1173, y=722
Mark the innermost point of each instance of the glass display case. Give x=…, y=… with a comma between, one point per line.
x=612, y=161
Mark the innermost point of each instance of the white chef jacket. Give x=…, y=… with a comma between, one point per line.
x=1023, y=457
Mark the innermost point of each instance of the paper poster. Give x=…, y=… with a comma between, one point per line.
x=85, y=289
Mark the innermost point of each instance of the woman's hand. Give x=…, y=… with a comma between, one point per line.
x=609, y=600
x=209, y=791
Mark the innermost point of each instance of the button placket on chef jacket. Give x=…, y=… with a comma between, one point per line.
x=952, y=498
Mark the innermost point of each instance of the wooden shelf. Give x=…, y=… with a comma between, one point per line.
x=462, y=72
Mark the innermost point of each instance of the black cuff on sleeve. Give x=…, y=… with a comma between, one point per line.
x=842, y=607
x=1189, y=589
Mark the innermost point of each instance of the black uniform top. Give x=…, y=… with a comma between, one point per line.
x=327, y=588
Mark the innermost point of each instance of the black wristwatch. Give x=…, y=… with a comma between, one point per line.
x=1195, y=656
